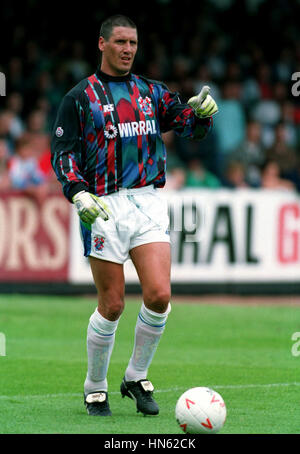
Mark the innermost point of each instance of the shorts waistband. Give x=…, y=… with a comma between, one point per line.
x=133, y=191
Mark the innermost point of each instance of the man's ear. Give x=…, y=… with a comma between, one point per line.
x=101, y=43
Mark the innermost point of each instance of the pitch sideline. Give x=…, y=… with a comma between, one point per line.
x=168, y=390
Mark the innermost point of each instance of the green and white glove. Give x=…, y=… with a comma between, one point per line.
x=89, y=207
x=203, y=104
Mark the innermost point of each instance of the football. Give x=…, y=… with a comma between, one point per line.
x=200, y=410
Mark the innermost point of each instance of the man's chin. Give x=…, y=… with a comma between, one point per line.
x=119, y=71
x=124, y=69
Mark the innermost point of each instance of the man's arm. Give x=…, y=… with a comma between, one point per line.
x=66, y=159
x=66, y=149
x=188, y=120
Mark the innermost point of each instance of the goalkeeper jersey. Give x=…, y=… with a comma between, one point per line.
x=108, y=133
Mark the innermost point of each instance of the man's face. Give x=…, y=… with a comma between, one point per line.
x=119, y=51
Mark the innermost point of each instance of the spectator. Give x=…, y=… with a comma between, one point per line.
x=181, y=74
x=173, y=160
x=284, y=155
x=215, y=60
x=14, y=104
x=279, y=91
x=4, y=158
x=15, y=76
x=249, y=76
x=235, y=175
x=233, y=71
x=267, y=111
x=271, y=179
x=250, y=93
x=288, y=119
x=40, y=141
x=263, y=77
x=230, y=122
x=197, y=176
x=251, y=154
x=60, y=83
x=36, y=122
x=283, y=67
x=77, y=65
x=253, y=57
x=24, y=171
x=6, y=123
x=176, y=178
x=175, y=166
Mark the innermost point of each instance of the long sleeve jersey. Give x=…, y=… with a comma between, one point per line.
x=108, y=133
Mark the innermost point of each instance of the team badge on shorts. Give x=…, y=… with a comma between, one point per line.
x=98, y=242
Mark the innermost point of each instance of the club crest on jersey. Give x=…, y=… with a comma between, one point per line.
x=59, y=132
x=98, y=242
x=110, y=132
x=145, y=105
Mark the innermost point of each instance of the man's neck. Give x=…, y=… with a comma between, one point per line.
x=109, y=77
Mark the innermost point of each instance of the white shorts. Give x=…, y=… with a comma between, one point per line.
x=137, y=216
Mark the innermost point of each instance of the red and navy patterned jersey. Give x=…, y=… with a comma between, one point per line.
x=108, y=133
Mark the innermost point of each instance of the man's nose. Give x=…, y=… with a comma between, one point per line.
x=127, y=47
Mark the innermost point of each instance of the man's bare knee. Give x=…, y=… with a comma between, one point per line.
x=110, y=306
x=158, y=299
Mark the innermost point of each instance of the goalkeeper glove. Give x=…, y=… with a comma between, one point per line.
x=203, y=104
x=89, y=207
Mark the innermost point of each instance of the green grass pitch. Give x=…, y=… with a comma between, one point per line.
x=242, y=351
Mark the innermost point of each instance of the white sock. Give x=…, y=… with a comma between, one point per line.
x=100, y=342
x=149, y=328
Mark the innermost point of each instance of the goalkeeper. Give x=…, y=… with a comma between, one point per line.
x=107, y=152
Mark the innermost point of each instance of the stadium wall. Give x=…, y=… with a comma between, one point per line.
x=223, y=241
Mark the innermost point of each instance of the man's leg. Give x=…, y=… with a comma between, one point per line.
x=152, y=262
x=109, y=281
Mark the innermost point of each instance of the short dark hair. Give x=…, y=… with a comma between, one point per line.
x=115, y=21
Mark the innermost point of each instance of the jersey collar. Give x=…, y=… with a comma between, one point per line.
x=108, y=78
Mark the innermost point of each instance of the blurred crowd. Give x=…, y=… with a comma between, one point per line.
x=255, y=139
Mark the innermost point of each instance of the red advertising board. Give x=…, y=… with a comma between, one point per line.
x=34, y=239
